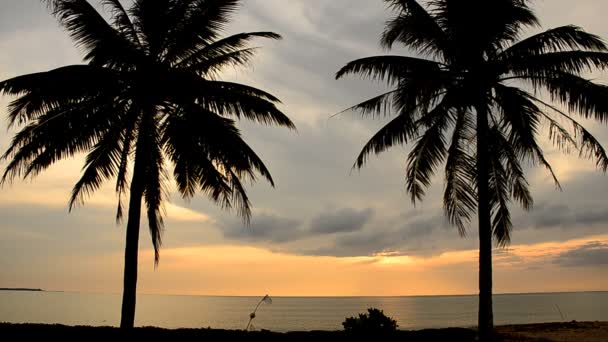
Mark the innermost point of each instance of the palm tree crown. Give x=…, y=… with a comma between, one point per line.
x=149, y=96
x=475, y=98
x=472, y=58
x=150, y=92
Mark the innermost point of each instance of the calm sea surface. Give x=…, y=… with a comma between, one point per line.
x=295, y=313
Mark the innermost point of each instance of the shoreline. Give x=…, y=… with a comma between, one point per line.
x=21, y=289
x=538, y=332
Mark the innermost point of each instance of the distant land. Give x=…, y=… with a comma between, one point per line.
x=20, y=289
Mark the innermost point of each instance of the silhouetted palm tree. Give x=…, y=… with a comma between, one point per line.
x=477, y=100
x=149, y=95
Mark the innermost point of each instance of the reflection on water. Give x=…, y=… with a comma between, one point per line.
x=295, y=313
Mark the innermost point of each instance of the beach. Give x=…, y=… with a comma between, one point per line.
x=547, y=332
x=558, y=332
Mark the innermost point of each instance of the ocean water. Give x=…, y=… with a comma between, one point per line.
x=295, y=313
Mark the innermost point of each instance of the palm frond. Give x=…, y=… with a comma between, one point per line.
x=39, y=93
x=518, y=186
x=522, y=118
x=473, y=33
x=391, y=69
x=101, y=164
x=558, y=39
x=197, y=23
x=578, y=95
x=554, y=64
x=416, y=28
x=126, y=146
x=499, y=201
x=376, y=106
x=506, y=180
x=508, y=19
x=155, y=191
x=412, y=103
x=104, y=45
x=154, y=21
x=122, y=21
x=428, y=153
x=233, y=100
x=37, y=146
x=459, y=199
x=208, y=153
x=398, y=131
x=212, y=67
x=539, y=158
x=220, y=47
x=240, y=200
x=587, y=145
x=193, y=170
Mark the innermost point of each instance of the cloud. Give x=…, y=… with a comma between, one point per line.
x=561, y=215
x=181, y=214
x=592, y=254
x=350, y=232
x=354, y=245
x=277, y=229
x=265, y=228
x=406, y=234
x=341, y=221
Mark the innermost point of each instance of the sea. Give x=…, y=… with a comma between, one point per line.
x=295, y=313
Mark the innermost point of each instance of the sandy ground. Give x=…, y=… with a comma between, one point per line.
x=558, y=332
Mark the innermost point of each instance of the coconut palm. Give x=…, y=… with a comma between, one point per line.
x=475, y=97
x=149, y=97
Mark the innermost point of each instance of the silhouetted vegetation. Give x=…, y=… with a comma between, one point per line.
x=515, y=333
x=476, y=99
x=148, y=96
x=266, y=299
x=28, y=332
x=374, y=322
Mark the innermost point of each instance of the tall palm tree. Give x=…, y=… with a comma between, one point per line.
x=476, y=98
x=149, y=96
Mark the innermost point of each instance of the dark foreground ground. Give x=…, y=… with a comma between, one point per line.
x=550, y=332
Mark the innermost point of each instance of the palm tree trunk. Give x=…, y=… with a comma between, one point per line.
x=129, y=293
x=485, y=318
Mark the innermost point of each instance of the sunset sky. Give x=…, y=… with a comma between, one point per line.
x=325, y=229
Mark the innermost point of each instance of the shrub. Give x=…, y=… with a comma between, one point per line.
x=373, y=322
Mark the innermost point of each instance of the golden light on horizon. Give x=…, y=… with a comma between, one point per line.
x=214, y=270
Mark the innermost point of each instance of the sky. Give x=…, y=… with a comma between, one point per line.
x=325, y=229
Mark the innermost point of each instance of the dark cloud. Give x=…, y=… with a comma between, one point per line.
x=341, y=221
x=277, y=229
x=561, y=215
x=419, y=236
x=424, y=227
x=352, y=245
x=352, y=232
x=591, y=254
x=265, y=228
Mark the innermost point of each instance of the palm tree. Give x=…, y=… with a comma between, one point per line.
x=476, y=98
x=149, y=95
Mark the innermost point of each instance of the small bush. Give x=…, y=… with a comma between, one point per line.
x=374, y=322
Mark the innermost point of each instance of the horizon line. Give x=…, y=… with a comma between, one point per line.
x=323, y=296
